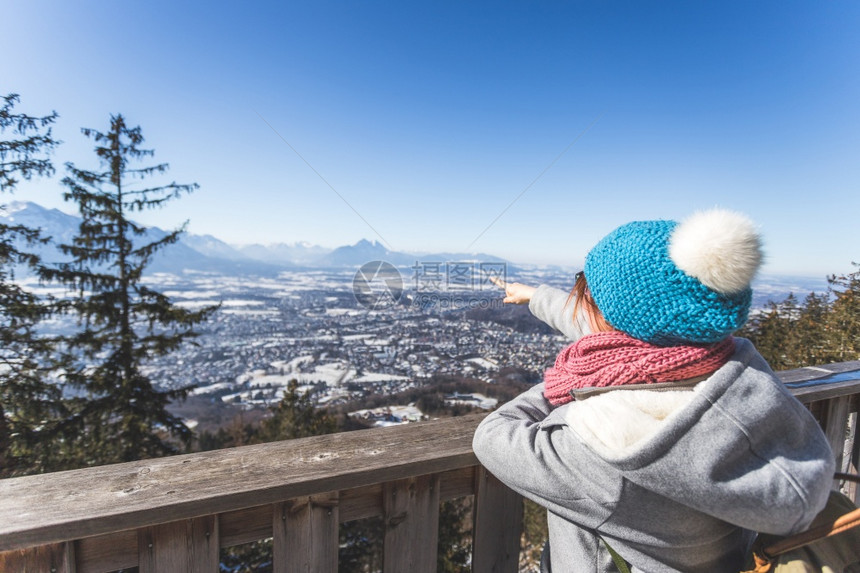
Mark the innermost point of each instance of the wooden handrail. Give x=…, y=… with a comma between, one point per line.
x=174, y=514
x=108, y=498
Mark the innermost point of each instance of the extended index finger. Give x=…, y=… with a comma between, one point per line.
x=498, y=282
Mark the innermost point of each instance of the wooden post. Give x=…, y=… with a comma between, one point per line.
x=305, y=534
x=835, y=425
x=185, y=545
x=853, y=449
x=205, y=544
x=411, y=517
x=498, y=525
x=53, y=558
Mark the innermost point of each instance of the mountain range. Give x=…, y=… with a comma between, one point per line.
x=205, y=253
x=210, y=254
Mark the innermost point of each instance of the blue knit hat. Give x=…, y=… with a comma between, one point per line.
x=673, y=283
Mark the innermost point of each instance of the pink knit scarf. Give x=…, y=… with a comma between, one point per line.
x=614, y=358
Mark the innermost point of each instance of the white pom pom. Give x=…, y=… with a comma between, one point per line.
x=720, y=248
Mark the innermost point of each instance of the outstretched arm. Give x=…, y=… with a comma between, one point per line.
x=515, y=293
x=549, y=305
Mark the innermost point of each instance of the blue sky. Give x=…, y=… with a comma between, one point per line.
x=430, y=118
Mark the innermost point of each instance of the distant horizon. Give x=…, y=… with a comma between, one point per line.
x=524, y=264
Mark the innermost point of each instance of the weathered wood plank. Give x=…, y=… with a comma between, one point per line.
x=456, y=483
x=411, y=518
x=834, y=390
x=835, y=425
x=498, y=525
x=188, y=545
x=122, y=497
x=204, y=544
x=56, y=558
x=245, y=525
x=815, y=372
x=109, y=552
x=851, y=463
x=305, y=534
x=827, y=381
x=163, y=548
x=100, y=500
x=255, y=523
x=361, y=502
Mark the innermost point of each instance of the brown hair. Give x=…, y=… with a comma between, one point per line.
x=582, y=299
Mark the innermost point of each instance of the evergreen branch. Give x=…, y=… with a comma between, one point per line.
x=144, y=172
x=123, y=324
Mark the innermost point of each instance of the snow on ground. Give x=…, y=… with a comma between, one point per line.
x=378, y=377
x=191, y=293
x=473, y=399
x=299, y=369
x=271, y=380
x=342, y=312
x=351, y=337
x=193, y=304
x=293, y=364
x=485, y=363
x=248, y=312
x=390, y=415
x=212, y=388
x=241, y=302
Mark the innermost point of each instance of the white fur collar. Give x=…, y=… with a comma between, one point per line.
x=619, y=420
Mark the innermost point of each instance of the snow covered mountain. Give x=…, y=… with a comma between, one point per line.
x=182, y=256
x=300, y=253
x=208, y=253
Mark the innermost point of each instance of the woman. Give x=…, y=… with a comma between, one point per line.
x=657, y=432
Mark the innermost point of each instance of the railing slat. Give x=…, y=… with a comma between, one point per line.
x=188, y=545
x=852, y=449
x=162, y=547
x=305, y=534
x=835, y=424
x=109, y=552
x=411, y=517
x=56, y=557
x=205, y=545
x=498, y=525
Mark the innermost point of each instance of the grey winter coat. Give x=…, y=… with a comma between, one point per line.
x=741, y=455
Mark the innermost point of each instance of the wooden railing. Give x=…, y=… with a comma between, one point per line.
x=175, y=514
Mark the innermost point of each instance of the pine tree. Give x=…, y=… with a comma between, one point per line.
x=122, y=322
x=844, y=319
x=30, y=406
x=770, y=331
x=26, y=156
x=296, y=416
x=810, y=331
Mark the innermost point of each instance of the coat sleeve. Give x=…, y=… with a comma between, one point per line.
x=522, y=446
x=550, y=305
